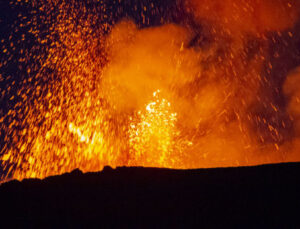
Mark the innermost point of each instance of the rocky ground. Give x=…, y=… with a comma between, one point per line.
x=251, y=197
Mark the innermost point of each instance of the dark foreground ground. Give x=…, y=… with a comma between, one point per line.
x=255, y=197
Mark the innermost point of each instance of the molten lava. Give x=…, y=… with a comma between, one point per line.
x=91, y=90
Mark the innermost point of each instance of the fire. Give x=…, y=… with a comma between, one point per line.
x=91, y=91
x=152, y=139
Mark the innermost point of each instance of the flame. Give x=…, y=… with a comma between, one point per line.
x=95, y=92
x=152, y=139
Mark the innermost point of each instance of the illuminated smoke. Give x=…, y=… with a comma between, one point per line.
x=244, y=16
x=292, y=91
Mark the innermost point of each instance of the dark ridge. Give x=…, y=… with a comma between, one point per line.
x=248, y=197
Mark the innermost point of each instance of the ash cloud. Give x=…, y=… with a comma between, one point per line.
x=243, y=16
x=222, y=90
x=291, y=90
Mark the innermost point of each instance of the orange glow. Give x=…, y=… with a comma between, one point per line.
x=121, y=95
x=152, y=139
x=247, y=15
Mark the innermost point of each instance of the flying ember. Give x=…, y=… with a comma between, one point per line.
x=176, y=84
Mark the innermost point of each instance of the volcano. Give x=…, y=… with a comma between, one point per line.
x=161, y=96
x=261, y=197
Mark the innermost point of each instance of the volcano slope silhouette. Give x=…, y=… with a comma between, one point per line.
x=250, y=197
